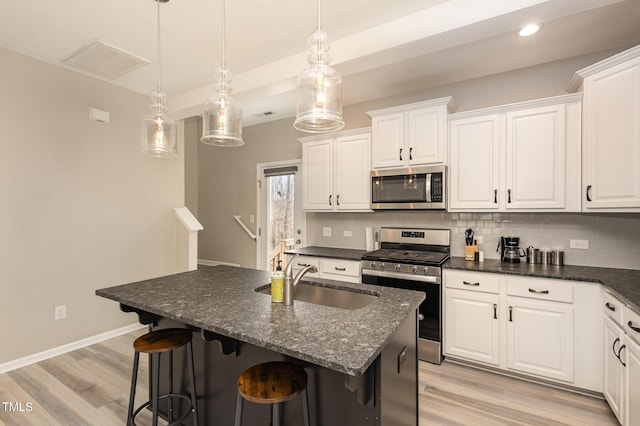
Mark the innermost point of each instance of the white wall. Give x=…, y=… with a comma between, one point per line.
x=81, y=209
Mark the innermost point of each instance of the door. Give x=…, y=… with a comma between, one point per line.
x=280, y=218
x=475, y=163
x=353, y=167
x=426, y=135
x=318, y=175
x=540, y=338
x=633, y=382
x=613, y=370
x=388, y=141
x=535, y=158
x=472, y=327
x=611, y=172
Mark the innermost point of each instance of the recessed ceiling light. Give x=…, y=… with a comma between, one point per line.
x=529, y=30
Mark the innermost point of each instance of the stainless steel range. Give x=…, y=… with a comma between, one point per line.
x=412, y=259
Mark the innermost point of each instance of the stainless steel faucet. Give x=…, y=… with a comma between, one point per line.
x=290, y=282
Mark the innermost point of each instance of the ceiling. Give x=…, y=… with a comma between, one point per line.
x=382, y=48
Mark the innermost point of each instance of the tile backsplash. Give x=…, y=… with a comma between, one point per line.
x=614, y=239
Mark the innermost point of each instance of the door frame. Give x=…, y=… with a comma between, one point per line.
x=261, y=261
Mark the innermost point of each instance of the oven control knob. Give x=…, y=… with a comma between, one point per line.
x=373, y=265
x=381, y=266
x=397, y=267
x=414, y=269
x=426, y=270
x=421, y=316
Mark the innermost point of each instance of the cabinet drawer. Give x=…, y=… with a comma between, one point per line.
x=340, y=267
x=613, y=308
x=472, y=281
x=302, y=261
x=540, y=289
x=632, y=324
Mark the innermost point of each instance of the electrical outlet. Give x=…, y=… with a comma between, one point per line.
x=347, y=234
x=252, y=218
x=326, y=231
x=60, y=312
x=579, y=244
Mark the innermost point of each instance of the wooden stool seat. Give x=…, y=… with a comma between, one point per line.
x=156, y=343
x=162, y=340
x=272, y=382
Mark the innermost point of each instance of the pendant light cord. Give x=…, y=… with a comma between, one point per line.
x=223, y=31
x=159, y=52
x=319, y=14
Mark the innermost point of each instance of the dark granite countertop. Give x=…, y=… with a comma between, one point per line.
x=336, y=253
x=623, y=283
x=222, y=299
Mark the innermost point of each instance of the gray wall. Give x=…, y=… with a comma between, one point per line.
x=82, y=209
x=227, y=182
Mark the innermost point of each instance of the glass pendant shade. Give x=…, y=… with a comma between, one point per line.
x=159, y=138
x=222, y=117
x=319, y=87
x=158, y=129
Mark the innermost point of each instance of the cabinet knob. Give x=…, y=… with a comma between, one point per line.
x=330, y=200
x=495, y=196
x=509, y=196
x=410, y=153
x=610, y=307
x=338, y=199
x=400, y=154
x=588, y=193
x=510, y=313
x=495, y=311
x=634, y=328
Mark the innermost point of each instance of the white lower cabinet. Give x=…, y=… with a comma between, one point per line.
x=542, y=328
x=622, y=360
x=472, y=329
x=540, y=338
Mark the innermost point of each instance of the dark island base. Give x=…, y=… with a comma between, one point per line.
x=387, y=394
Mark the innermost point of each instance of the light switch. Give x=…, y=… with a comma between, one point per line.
x=326, y=231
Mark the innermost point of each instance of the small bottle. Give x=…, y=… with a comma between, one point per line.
x=277, y=284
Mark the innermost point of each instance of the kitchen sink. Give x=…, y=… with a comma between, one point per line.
x=327, y=296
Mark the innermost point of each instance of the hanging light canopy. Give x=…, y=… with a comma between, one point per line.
x=319, y=104
x=158, y=129
x=222, y=117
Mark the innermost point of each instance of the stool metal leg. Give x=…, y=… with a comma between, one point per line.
x=305, y=407
x=170, y=399
x=155, y=391
x=239, y=403
x=276, y=414
x=194, y=409
x=132, y=393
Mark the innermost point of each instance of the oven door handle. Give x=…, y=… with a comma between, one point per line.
x=401, y=276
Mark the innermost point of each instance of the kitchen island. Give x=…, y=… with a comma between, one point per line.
x=362, y=363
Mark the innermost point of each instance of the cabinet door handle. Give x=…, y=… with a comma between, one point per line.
x=330, y=200
x=611, y=307
x=410, y=153
x=339, y=269
x=510, y=313
x=400, y=154
x=495, y=311
x=588, y=192
x=468, y=283
x=631, y=326
x=620, y=353
x=304, y=265
x=338, y=199
x=509, y=196
x=538, y=291
x=613, y=347
x=495, y=196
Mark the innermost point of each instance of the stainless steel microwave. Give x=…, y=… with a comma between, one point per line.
x=413, y=188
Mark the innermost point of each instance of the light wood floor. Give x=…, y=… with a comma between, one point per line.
x=90, y=386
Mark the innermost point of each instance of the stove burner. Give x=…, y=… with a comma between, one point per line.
x=407, y=256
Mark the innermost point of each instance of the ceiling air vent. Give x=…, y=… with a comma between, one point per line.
x=103, y=60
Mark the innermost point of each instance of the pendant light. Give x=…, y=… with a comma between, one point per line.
x=319, y=104
x=158, y=129
x=222, y=117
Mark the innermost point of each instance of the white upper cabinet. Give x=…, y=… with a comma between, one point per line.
x=611, y=141
x=337, y=171
x=410, y=135
x=517, y=157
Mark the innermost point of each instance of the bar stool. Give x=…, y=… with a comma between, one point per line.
x=155, y=343
x=272, y=383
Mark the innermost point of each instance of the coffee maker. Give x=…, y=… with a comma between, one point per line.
x=509, y=249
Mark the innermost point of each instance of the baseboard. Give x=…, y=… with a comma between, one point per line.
x=78, y=344
x=215, y=263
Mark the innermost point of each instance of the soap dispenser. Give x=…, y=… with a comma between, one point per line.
x=277, y=284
